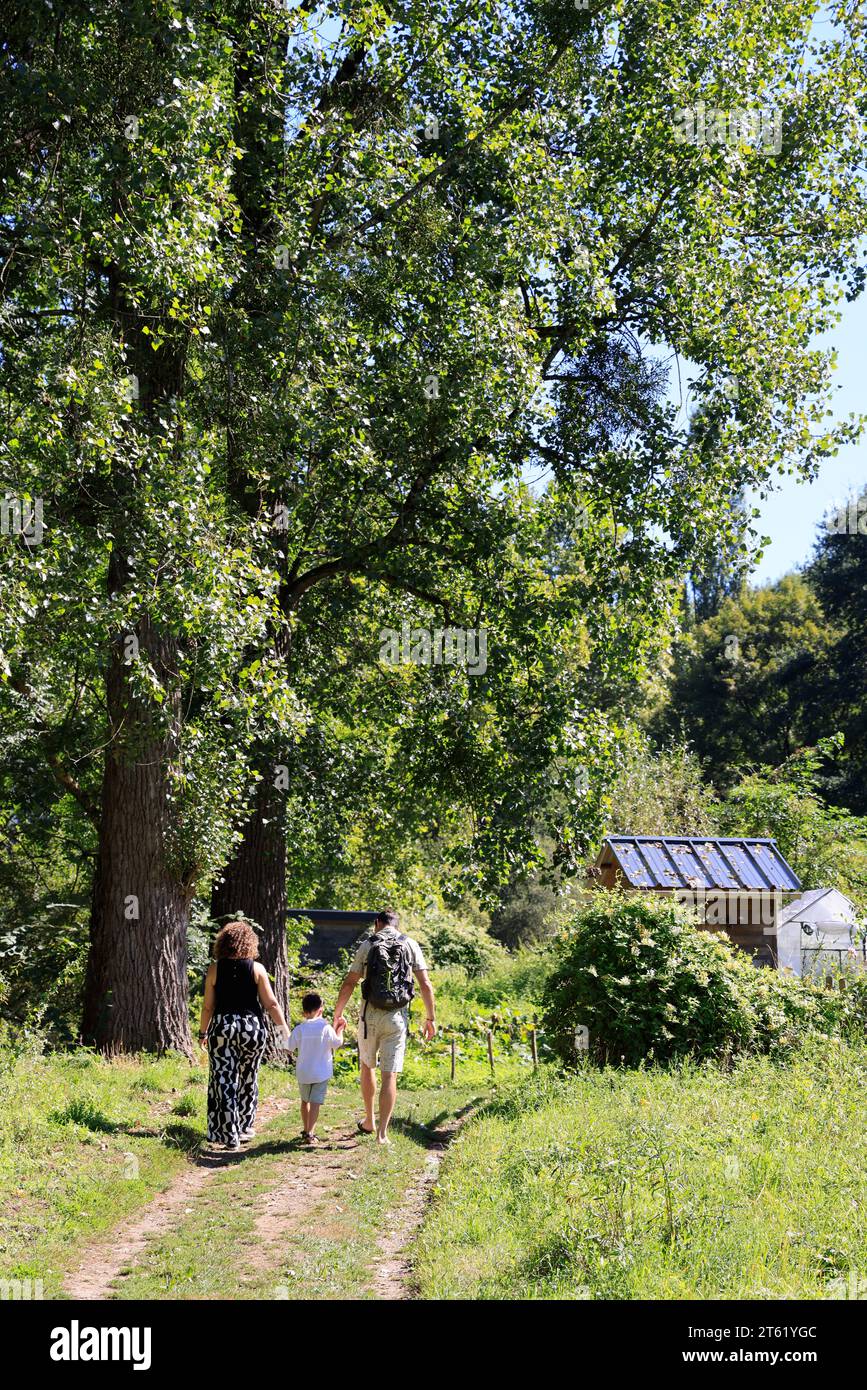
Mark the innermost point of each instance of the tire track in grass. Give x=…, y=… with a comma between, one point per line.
x=102, y=1263
x=393, y=1277
x=305, y=1196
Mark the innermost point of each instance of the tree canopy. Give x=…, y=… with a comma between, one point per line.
x=323, y=319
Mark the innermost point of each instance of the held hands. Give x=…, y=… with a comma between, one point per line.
x=282, y=1034
x=339, y=1024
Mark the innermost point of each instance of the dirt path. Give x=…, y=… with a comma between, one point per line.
x=307, y=1181
x=102, y=1263
x=393, y=1279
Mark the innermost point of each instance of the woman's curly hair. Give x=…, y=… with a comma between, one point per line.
x=236, y=941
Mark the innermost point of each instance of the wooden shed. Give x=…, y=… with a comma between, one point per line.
x=332, y=931
x=738, y=886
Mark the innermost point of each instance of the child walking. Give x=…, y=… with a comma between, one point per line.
x=315, y=1041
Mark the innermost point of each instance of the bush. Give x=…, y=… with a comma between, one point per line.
x=853, y=1007
x=520, y=977
x=448, y=940
x=85, y=1112
x=652, y=986
x=788, y=1010
x=647, y=983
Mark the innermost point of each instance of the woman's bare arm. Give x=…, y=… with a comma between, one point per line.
x=268, y=998
x=208, y=1001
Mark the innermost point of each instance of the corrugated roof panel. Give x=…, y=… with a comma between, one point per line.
x=744, y=866
x=635, y=870
x=762, y=864
x=773, y=865
x=661, y=863
x=670, y=862
x=718, y=867
x=692, y=872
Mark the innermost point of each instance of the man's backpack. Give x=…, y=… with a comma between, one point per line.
x=388, y=973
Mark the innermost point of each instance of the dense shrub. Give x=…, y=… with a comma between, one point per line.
x=42, y=961
x=650, y=985
x=449, y=940
x=646, y=983
x=464, y=945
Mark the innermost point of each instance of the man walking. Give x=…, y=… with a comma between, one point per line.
x=385, y=962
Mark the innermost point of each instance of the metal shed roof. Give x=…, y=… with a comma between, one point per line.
x=334, y=917
x=671, y=862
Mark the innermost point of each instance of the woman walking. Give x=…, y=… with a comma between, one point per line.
x=238, y=993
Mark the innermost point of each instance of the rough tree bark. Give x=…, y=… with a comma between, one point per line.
x=254, y=882
x=136, y=988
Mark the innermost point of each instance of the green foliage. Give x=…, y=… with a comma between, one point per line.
x=660, y=792
x=738, y=688
x=520, y=978
x=465, y=944
x=85, y=1112
x=43, y=960
x=825, y=846
x=239, y=209
x=525, y=907
x=652, y=986
x=838, y=687
x=647, y=984
x=689, y=1182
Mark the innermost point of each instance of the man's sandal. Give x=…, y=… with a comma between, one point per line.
x=362, y=1130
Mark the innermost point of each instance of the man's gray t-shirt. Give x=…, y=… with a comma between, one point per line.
x=362, y=951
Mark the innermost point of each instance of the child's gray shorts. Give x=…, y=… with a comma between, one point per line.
x=314, y=1091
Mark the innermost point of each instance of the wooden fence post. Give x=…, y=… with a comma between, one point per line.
x=453, y=1056
x=533, y=1047
x=491, y=1050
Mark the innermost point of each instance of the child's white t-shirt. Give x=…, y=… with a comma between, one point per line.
x=314, y=1040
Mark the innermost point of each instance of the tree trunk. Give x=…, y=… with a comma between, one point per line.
x=136, y=989
x=254, y=883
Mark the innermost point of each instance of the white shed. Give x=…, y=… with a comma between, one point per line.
x=819, y=932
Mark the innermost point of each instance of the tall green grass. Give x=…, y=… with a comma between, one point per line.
x=696, y=1182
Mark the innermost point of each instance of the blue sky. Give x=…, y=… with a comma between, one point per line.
x=791, y=514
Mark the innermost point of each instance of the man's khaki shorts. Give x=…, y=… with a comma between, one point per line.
x=386, y=1038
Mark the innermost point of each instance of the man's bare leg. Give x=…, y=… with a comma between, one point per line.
x=368, y=1095
x=305, y=1115
x=387, y=1097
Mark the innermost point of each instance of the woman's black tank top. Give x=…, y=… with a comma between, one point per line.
x=235, y=991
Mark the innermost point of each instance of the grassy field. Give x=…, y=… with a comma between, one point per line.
x=697, y=1183
x=86, y=1143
